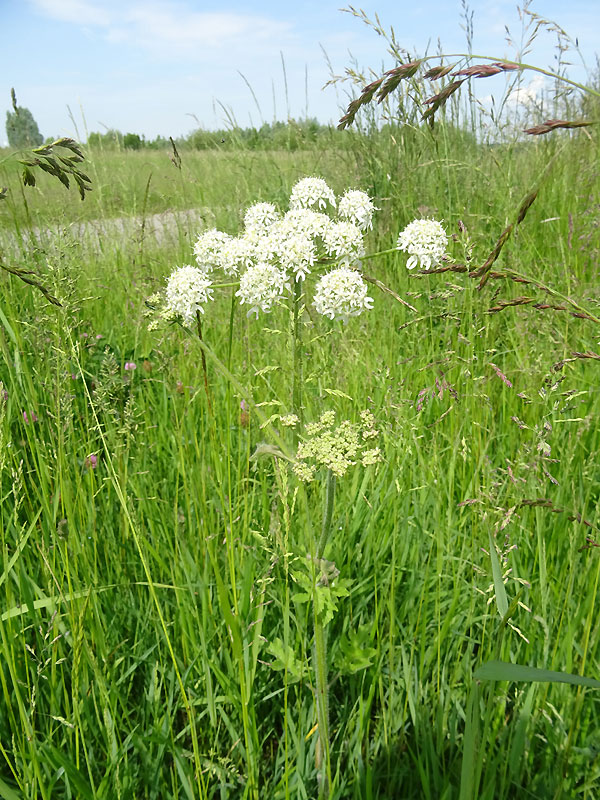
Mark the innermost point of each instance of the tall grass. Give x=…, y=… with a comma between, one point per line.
x=154, y=640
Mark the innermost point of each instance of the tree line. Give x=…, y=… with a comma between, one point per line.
x=290, y=135
x=23, y=133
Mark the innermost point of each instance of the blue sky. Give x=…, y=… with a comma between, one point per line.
x=163, y=66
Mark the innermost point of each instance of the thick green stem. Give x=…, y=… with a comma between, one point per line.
x=322, y=758
x=297, y=352
x=327, y=513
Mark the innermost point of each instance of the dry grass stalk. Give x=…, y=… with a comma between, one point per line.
x=553, y=124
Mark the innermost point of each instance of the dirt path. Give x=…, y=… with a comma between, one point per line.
x=164, y=229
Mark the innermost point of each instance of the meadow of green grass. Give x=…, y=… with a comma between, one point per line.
x=154, y=639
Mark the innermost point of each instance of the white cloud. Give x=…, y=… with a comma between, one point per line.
x=167, y=24
x=77, y=11
x=168, y=27
x=528, y=95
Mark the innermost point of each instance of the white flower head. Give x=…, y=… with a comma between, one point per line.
x=188, y=289
x=266, y=248
x=357, y=207
x=260, y=216
x=262, y=286
x=309, y=192
x=425, y=240
x=208, y=248
x=342, y=293
x=297, y=253
x=345, y=241
x=304, y=220
x=237, y=253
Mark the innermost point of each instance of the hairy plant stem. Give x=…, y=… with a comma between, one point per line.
x=297, y=376
x=322, y=757
x=320, y=642
x=327, y=513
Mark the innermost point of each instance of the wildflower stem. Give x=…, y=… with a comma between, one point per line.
x=327, y=513
x=380, y=253
x=203, y=357
x=322, y=757
x=297, y=350
x=323, y=761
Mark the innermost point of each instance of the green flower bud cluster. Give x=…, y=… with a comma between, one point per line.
x=336, y=447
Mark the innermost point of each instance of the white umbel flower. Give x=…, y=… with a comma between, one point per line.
x=425, y=241
x=208, y=249
x=259, y=217
x=297, y=253
x=357, y=207
x=309, y=192
x=342, y=293
x=188, y=289
x=304, y=220
x=262, y=286
x=236, y=254
x=345, y=241
x=266, y=248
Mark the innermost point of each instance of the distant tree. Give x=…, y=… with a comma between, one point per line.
x=159, y=143
x=132, y=141
x=94, y=139
x=113, y=138
x=22, y=130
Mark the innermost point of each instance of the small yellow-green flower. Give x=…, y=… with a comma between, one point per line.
x=336, y=447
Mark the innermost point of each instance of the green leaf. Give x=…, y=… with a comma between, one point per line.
x=264, y=449
x=48, y=602
x=6, y=793
x=501, y=598
x=505, y=671
x=19, y=548
x=7, y=327
x=77, y=780
x=356, y=652
x=470, y=745
x=228, y=614
x=285, y=659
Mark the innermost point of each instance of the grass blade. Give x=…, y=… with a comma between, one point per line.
x=505, y=671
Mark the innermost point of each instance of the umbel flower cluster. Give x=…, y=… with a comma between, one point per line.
x=337, y=447
x=425, y=240
x=277, y=248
